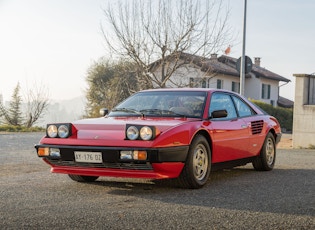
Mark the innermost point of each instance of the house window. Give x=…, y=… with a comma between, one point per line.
x=219, y=84
x=265, y=91
x=311, y=90
x=236, y=87
x=204, y=83
x=197, y=83
x=191, y=82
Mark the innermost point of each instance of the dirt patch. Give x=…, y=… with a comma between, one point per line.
x=286, y=142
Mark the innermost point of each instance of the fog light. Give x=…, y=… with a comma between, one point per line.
x=126, y=155
x=55, y=153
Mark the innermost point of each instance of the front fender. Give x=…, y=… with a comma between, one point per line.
x=178, y=135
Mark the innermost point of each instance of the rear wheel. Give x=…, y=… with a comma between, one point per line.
x=198, y=164
x=80, y=178
x=266, y=160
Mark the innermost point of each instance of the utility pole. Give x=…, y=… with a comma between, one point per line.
x=243, y=61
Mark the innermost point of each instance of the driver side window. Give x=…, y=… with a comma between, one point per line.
x=222, y=101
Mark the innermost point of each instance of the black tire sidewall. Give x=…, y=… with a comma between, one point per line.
x=199, y=139
x=266, y=166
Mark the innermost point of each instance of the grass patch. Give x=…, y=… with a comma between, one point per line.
x=12, y=128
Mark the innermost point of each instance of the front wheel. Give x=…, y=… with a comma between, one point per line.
x=198, y=164
x=79, y=178
x=266, y=160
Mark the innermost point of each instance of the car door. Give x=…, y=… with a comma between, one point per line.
x=229, y=134
x=254, y=123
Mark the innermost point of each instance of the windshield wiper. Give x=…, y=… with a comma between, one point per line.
x=126, y=110
x=162, y=112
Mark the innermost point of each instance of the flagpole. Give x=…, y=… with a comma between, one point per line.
x=242, y=77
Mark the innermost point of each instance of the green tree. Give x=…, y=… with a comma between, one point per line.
x=109, y=83
x=25, y=112
x=13, y=115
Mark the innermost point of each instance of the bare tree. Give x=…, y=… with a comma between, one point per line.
x=160, y=31
x=36, y=103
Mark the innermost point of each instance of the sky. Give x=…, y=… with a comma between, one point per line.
x=52, y=43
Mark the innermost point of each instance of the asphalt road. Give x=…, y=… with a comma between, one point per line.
x=31, y=197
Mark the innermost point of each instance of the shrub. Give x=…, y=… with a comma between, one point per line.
x=284, y=115
x=12, y=128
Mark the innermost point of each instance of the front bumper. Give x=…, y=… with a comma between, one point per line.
x=278, y=137
x=161, y=162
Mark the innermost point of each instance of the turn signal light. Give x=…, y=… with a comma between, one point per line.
x=140, y=155
x=133, y=155
x=43, y=152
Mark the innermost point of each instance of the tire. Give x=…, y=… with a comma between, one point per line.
x=267, y=157
x=197, y=168
x=79, y=178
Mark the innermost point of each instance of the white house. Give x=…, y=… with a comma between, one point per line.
x=220, y=72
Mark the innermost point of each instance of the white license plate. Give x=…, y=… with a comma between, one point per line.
x=88, y=157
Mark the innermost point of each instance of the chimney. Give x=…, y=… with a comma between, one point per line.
x=214, y=56
x=257, y=61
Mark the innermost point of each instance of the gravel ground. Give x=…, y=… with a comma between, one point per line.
x=241, y=198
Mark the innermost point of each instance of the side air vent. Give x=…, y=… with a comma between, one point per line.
x=257, y=126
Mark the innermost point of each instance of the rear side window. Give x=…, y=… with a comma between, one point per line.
x=242, y=108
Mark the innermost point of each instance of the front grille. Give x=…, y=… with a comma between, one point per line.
x=257, y=126
x=117, y=165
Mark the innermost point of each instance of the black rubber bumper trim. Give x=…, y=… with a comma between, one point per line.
x=111, y=154
x=278, y=137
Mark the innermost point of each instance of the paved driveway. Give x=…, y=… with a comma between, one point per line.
x=32, y=197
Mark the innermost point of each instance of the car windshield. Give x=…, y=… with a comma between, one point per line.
x=162, y=103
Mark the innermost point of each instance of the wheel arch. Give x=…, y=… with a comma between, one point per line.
x=273, y=132
x=206, y=135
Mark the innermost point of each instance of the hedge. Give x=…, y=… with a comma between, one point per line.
x=284, y=115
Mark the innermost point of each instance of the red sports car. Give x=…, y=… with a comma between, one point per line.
x=165, y=133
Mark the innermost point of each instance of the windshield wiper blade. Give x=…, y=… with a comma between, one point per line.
x=126, y=110
x=162, y=112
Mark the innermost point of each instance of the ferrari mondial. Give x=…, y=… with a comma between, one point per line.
x=164, y=133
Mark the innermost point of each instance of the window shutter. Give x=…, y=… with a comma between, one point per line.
x=262, y=91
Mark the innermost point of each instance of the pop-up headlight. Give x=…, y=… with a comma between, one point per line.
x=139, y=132
x=58, y=130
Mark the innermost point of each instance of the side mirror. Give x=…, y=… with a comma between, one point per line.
x=219, y=113
x=103, y=112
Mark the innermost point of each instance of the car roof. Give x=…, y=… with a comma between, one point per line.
x=211, y=90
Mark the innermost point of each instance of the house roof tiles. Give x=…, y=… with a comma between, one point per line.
x=224, y=65
x=257, y=70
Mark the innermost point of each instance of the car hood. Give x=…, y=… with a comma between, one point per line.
x=114, y=128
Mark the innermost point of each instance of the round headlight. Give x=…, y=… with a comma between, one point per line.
x=52, y=131
x=63, y=131
x=132, y=133
x=146, y=133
